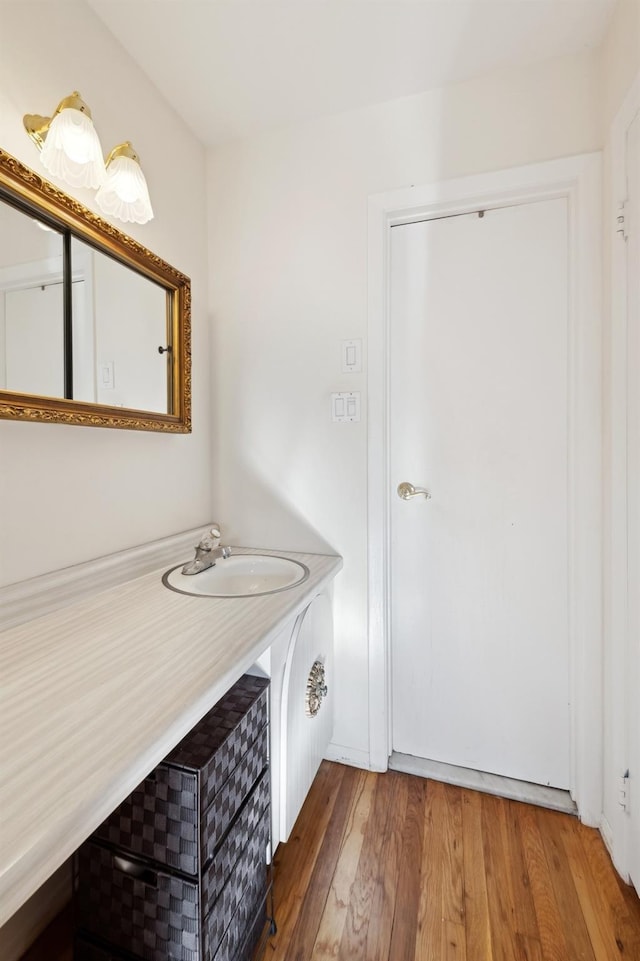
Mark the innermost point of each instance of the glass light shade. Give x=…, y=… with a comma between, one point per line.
x=125, y=194
x=72, y=151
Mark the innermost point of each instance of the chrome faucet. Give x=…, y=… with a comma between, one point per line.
x=208, y=552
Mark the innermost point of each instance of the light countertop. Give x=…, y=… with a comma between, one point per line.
x=94, y=695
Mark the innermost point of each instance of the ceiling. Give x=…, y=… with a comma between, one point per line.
x=233, y=68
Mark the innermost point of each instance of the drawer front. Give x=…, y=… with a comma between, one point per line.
x=246, y=949
x=159, y=820
x=249, y=723
x=218, y=867
x=148, y=913
x=233, y=792
x=249, y=870
x=246, y=926
x=217, y=742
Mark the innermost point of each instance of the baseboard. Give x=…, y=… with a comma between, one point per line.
x=507, y=787
x=348, y=755
x=607, y=836
x=21, y=930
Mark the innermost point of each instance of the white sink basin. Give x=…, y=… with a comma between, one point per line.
x=241, y=575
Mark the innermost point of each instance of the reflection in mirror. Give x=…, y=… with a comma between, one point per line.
x=94, y=328
x=31, y=305
x=119, y=321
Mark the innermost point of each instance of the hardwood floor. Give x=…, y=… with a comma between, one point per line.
x=391, y=867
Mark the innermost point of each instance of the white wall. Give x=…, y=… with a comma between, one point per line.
x=72, y=493
x=288, y=281
x=620, y=57
x=620, y=65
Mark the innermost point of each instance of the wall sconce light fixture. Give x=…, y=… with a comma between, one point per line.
x=69, y=144
x=70, y=149
x=124, y=193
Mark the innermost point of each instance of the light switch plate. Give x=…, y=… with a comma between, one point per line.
x=351, y=356
x=345, y=406
x=107, y=378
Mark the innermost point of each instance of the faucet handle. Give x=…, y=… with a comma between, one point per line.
x=210, y=538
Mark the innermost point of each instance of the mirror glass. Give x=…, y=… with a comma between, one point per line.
x=94, y=329
x=119, y=322
x=31, y=305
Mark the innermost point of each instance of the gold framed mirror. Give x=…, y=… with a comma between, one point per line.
x=95, y=330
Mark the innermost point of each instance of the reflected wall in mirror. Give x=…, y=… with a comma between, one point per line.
x=94, y=328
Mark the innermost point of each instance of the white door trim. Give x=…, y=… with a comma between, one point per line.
x=578, y=179
x=619, y=630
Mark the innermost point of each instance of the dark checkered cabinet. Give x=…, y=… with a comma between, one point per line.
x=178, y=871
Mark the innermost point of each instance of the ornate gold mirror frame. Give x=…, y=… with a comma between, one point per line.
x=35, y=196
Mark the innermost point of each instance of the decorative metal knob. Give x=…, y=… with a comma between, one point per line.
x=316, y=689
x=406, y=491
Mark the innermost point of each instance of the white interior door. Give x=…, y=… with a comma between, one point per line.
x=479, y=416
x=633, y=481
x=34, y=331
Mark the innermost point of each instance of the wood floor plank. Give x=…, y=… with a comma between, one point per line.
x=405, y=921
x=294, y=861
x=549, y=920
x=453, y=862
x=574, y=926
x=476, y=907
x=387, y=867
x=355, y=935
x=529, y=949
x=592, y=899
x=339, y=900
x=500, y=895
x=525, y=919
x=454, y=941
x=313, y=903
x=430, y=932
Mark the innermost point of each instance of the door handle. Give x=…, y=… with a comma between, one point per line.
x=406, y=491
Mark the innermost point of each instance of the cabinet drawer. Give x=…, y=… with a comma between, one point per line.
x=155, y=915
x=229, y=799
x=247, y=947
x=218, y=866
x=249, y=874
x=159, y=820
x=217, y=743
x=147, y=913
x=204, y=781
x=247, y=924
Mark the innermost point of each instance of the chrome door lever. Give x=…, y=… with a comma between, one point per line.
x=406, y=491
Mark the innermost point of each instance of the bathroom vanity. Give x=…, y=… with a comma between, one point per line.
x=104, y=672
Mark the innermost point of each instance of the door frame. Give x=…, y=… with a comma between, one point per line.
x=622, y=621
x=578, y=179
